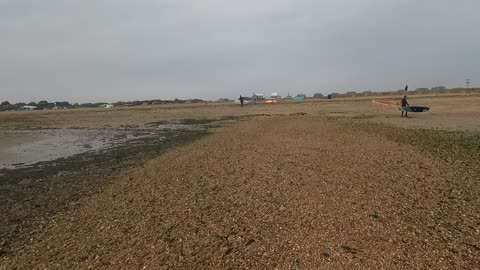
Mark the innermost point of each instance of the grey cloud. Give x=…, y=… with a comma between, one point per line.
x=120, y=50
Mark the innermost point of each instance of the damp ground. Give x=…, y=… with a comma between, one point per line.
x=45, y=172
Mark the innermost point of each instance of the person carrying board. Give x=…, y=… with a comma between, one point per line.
x=404, y=104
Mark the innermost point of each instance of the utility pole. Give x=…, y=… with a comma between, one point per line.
x=468, y=83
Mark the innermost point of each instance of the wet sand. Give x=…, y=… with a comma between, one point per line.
x=8, y=146
x=25, y=148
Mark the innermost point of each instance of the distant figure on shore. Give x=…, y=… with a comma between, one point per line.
x=405, y=105
x=406, y=87
x=241, y=100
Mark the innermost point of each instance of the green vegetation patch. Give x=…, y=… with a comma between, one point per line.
x=196, y=121
x=440, y=142
x=15, y=120
x=202, y=122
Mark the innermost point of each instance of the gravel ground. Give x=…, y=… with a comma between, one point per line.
x=281, y=192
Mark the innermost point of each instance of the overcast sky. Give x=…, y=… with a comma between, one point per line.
x=109, y=50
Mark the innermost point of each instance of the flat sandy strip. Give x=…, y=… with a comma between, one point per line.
x=291, y=192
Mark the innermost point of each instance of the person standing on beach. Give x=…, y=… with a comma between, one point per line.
x=404, y=104
x=406, y=87
x=241, y=100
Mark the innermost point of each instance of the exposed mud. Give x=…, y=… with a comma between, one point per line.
x=60, y=167
x=24, y=148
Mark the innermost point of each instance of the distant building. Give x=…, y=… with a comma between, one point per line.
x=196, y=100
x=300, y=97
x=318, y=95
x=246, y=100
x=258, y=96
x=367, y=92
x=275, y=96
x=439, y=88
x=28, y=108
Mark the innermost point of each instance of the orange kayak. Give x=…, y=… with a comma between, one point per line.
x=271, y=101
x=385, y=102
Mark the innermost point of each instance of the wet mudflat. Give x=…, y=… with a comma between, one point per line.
x=24, y=148
x=45, y=172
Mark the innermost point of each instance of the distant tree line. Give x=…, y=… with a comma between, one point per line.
x=155, y=101
x=44, y=105
x=7, y=106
